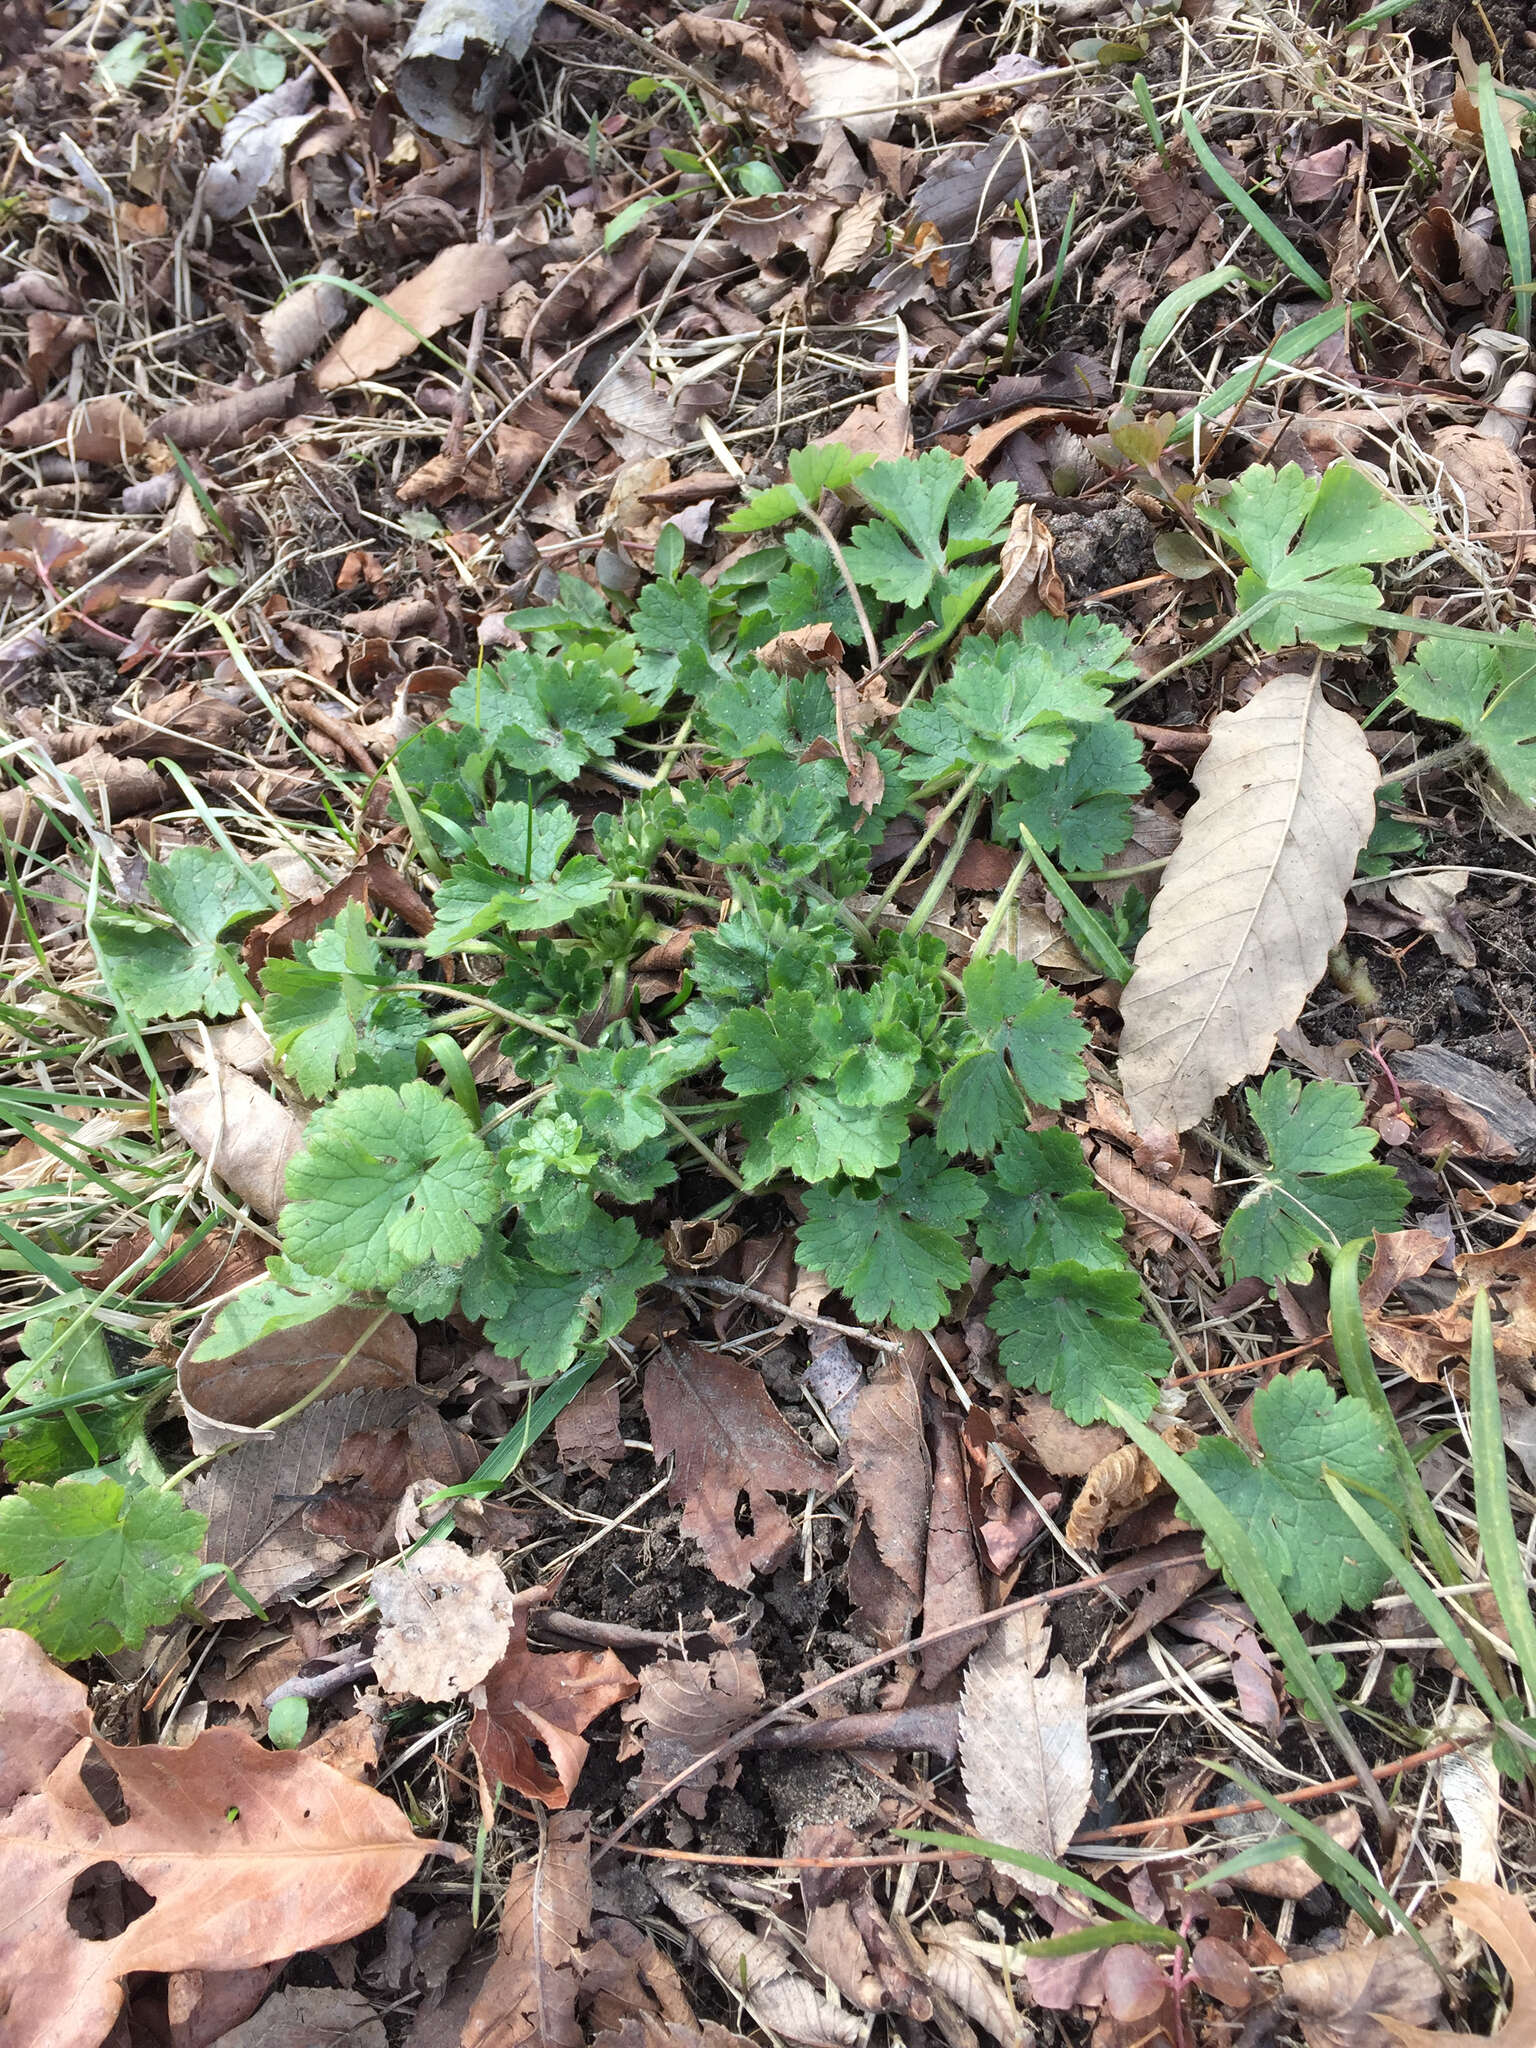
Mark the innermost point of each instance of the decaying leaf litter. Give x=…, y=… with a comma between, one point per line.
x=743, y=822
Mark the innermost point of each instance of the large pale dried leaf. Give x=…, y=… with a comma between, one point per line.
x=1506, y=1925
x=530, y=1699
x=1024, y=1753
x=248, y=1854
x=255, y=1498
x=863, y=88
x=687, y=1710
x=529, y=1996
x=760, y=1973
x=447, y=1619
x=254, y=144
x=1250, y=903
x=310, y=2016
x=226, y=1398
x=1366, y=1997
x=458, y=280
x=246, y=1135
x=1469, y=1786
x=890, y=1468
x=730, y=1446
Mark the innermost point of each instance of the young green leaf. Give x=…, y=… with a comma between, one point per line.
x=1316, y=1556
x=542, y=716
x=319, y=1004
x=161, y=971
x=1010, y=1012
x=820, y=467
x=827, y=1082
x=1344, y=521
x=1489, y=693
x=386, y=1180
x=285, y=1300
x=1076, y=1333
x=1320, y=1187
x=1016, y=700
x=94, y=1566
x=63, y=1353
x=1080, y=811
x=549, y=1294
x=901, y=556
x=513, y=881
x=893, y=1244
x=1044, y=1206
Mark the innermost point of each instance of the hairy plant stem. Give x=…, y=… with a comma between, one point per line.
x=710, y=1159
x=872, y=645
x=934, y=892
x=931, y=832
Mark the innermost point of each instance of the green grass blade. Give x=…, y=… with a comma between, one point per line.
x=1240, y=1559
x=1421, y=1593
x=1165, y=317
x=1289, y=350
x=1143, y=96
x=1504, y=181
x=1273, y=237
x=1490, y=1482
x=1116, y=1934
x=502, y=1462
x=1037, y=1866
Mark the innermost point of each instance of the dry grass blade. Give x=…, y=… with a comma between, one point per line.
x=1250, y=903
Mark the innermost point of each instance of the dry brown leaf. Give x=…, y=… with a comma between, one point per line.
x=688, y=1709
x=1366, y=1997
x=246, y=1135
x=1505, y=1923
x=529, y=1998
x=588, y=1431
x=890, y=1468
x=1027, y=580
x=1250, y=903
x=46, y=1714
x=775, y=91
x=101, y=430
x=951, y=1572
x=247, y=1855
x=966, y=1982
x=203, y=2005
x=730, y=1445
x=374, y=1470
x=447, y=1619
x=862, y=88
x=1067, y=1449
x=295, y=327
x=310, y=2016
x=217, y=423
x=1493, y=484
x=759, y=1973
x=1115, y=1487
x=1291, y=1877
x=860, y=233
x=228, y=1398
x=117, y=788
x=1024, y=1752
x=530, y=1698
x=256, y=1499
x=459, y=280
x=644, y=2030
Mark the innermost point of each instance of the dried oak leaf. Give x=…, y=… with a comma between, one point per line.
x=1506, y=1925
x=730, y=1446
x=688, y=1709
x=447, y=1618
x=529, y=1996
x=532, y=1698
x=1361, y=1997
x=247, y=1855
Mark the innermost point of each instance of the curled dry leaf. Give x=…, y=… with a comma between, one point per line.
x=730, y=1446
x=951, y=1572
x=1115, y=1488
x=218, y=423
x=529, y=1998
x=447, y=1619
x=1492, y=483
x=458, y=280
x=228, y=1398
x=294, y=328
x=687, y=1710
x=101, y=430
x=1024, y=1751
x=1028, y=581
x=1367, y=1997
x=529, y=1699
x=247, y=1855
x=1505, y=1923
x=760, y=1973
x=1250, y=903
x=246, y=1135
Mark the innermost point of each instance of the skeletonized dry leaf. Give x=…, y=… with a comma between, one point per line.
x=247, y=1855
x=1250, y=903
x=688, y=1709
x=459, y=280
x=529, y=1997
x=246, y=1135
x=531, y=1699
x=448, y=1618
x=1505, y=1923
x=731, y=1446
x=1024, y=1752
x=256, y=1496
x=760, y=1973
x=1366, y=1997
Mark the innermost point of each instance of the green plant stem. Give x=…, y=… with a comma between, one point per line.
x=1502, y=1561
x=59, y=1404
x=986, y=938
x=710, y=1159
x=931, y=832
x=944, y=874
x=871, y=644
x=1091, y=934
